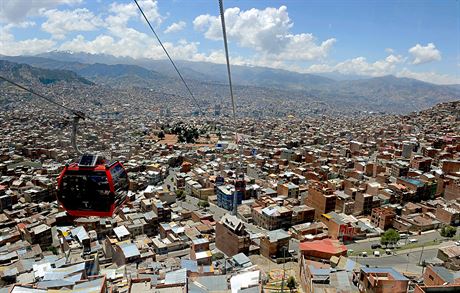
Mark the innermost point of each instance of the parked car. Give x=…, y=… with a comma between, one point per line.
x=413, y=240
x=363, y=254
x=376, y=253
x=376, y=245
x=388, y=251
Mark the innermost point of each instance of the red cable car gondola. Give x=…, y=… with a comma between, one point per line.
x=92, y=187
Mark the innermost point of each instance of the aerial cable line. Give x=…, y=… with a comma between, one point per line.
x=224, y=32
x=169, y=57
x=239, y=140
x=79, y=114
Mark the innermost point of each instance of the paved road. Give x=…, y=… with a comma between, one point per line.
x=429, y=236
x=405, y=262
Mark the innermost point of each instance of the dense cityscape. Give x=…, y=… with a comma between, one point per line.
x=318, y=170
x=314, y=203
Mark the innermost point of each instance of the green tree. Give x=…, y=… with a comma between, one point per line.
x=180, y=194
x=291, y=283
x=203, y=204
x=180, y=138
x=391, y=236
x=448, y=231
x=217, y=255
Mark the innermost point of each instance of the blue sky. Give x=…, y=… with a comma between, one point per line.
x=417, y=39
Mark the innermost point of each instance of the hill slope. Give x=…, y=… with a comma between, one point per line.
x=387, y=93
x=27, y=73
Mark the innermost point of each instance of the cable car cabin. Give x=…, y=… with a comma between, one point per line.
x=92, y=187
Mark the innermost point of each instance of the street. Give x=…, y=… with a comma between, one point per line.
x=429, y=236
x=404, y=262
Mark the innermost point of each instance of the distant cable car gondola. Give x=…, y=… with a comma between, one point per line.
x=92, y=187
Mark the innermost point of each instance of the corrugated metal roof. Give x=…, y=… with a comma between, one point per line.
x=90, y=286
x=241, y=259
x=200, y=241
x=189, y=265
x=176, y=277
x=80, y=233
x=129, y=249
x=121, y=232
x=22, y=289
x=203, y=254
x=213, y=283
x=54, y=284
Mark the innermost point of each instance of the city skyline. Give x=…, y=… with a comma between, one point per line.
x=406, y=39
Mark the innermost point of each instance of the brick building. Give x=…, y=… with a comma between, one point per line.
x=448, y=214
x=364, y=203
x=288, y=189
x=450, y=166
x=382, y=280
x=302, y=214
x=438, y=275
x=200, y=252
x=272, y=217
x=272, y=244
x=231, y=236
x=341, y=226
x=383, y=217
x=322, y=199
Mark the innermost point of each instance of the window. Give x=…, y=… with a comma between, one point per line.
x=88, y=191
x=120, y=183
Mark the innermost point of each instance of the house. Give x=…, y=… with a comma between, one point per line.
x=275, y=244
x=384, y=280
x=231, y=236
x=126, y=252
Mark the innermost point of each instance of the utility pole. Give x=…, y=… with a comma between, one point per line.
x=407, y=236
x=420, y=259
x=284, y=270
x=407, y=266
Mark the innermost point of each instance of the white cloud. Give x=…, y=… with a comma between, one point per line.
x=266, y=31
x=123, y=12
x=431, y=77
x=425, y=54
x=134, y=44
x=361, y=66
x=175, y=27
x=389, y=50
x=12, y=47
x=60, y=22
x=17, y=10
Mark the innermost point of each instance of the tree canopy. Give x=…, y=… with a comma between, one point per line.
x=448, y=231
x=203, y=204
x=391, y=236
x=291, y=283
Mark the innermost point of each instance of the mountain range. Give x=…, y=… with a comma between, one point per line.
x=386, y=93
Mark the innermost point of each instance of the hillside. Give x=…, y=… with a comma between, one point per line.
x=380, y=94
x=29, y=74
